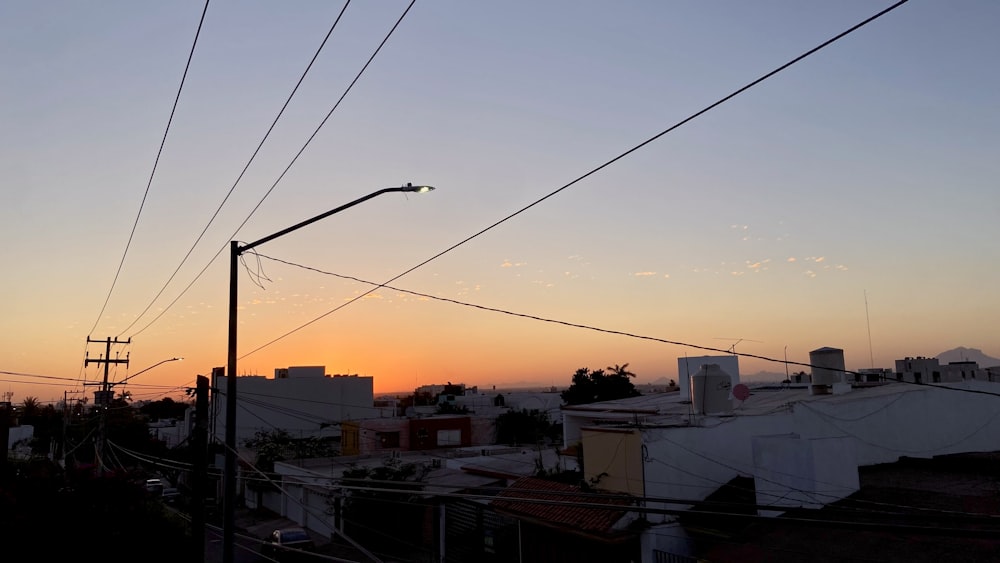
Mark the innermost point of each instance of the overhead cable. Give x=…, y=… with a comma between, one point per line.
x=155, y=163
x=282, y=175
x=594, y=170
x=242, y=172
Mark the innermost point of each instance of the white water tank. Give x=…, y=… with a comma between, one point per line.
x=710, y=390
x=827, y=369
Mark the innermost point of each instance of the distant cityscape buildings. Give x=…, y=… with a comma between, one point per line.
x=798, y=444
x=302, y=400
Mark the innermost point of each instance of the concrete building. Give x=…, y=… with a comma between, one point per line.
x=801, y=449
x=918, y=370
x=960, y=371
x=415, y=433
x=173, y=432
x=310, y=488
x=300, y=400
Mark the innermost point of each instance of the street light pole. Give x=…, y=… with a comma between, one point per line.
x=147, y=369
x=229, y=470
x=106, y=394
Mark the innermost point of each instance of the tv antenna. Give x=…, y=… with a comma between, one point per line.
x=732, y=347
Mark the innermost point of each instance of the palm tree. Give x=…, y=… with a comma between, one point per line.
x=31, y=408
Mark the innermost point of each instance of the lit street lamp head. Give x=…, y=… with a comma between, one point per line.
x=417, y=189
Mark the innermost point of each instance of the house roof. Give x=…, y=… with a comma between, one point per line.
x=938, y=509
x=670, y=409
x=562, y=506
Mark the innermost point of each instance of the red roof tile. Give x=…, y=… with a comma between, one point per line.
x=563, y=506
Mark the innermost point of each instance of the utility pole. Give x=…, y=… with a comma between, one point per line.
x=199, y=475
x=102, y=398
x=4, y=432
x=67, y=414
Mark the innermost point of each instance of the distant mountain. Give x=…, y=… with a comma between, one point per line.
x=962, y=354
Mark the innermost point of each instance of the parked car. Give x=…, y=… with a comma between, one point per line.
x=171, y=495
x=154, y=486
x=287, y=544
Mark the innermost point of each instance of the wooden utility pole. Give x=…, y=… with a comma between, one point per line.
x=102, y=398
x=4, y=434
x=67, y=415
x=199, y=475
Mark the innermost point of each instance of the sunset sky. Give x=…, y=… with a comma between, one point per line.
x=852, y=200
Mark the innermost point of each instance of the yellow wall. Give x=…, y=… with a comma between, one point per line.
x=618, y=453
x=350, y=438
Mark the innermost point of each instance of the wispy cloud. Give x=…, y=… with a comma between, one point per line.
x=644, y=274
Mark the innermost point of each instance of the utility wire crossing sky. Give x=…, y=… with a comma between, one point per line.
x=848, y=200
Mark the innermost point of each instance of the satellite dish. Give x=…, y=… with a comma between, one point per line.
x=741, y=391
x=410, y=412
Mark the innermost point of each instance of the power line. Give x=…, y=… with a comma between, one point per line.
x=155, y=163
x=285, y=171
x=39, y=376
x=245, y=168
x=487, y=493
x=597, y=169
x=574, y=325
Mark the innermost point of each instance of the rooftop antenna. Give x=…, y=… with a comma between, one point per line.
x=732, y=348
x=787, y=378
x=871, y=355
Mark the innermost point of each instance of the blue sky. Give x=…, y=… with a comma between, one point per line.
x=866, y=172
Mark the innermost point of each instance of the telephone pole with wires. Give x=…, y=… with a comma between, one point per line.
x=67, y=414
x=5, y=414
x=102, y=398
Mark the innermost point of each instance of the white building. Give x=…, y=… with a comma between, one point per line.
x=309, y=485
x=918, y=370
x=801, y=448
x=300, y=400
x=173, y=432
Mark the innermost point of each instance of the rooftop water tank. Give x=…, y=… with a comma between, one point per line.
x=827, y=369
x=710, y=388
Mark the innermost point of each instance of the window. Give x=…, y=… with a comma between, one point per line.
x=449, y=437
x=387, y=439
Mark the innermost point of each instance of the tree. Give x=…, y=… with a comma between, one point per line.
x=600, y=385
x=387, y=508
x=164, y=408
x=525, y=427
x=46, y=420
x=30, y=407
x=279, y=445
x=54, y=514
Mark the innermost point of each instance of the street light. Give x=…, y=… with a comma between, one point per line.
x=147, y=369
x=229, y=471
x=106, y=395
x=106, y=386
